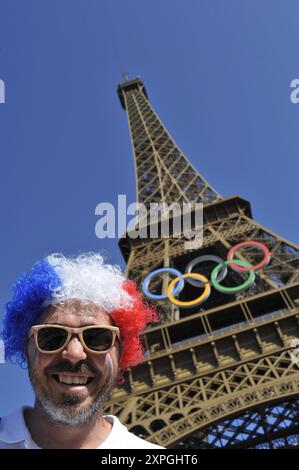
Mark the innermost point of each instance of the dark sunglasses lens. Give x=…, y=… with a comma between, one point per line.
x=50, y=339
x=98, y=339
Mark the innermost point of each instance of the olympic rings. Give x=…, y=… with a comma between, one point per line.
x=149, y=277
x=263, y=263
x=199, y=280
x=190, y=303
x=232, y=290
x=200, y=259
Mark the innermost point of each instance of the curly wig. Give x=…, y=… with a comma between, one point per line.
x=58, y=278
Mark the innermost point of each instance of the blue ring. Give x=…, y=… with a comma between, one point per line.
x=179, y=287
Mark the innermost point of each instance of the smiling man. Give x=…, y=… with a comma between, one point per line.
x=76, y=323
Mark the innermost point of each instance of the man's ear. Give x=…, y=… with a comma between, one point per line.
x=119, y=348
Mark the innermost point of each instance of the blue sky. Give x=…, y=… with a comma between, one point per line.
x=218, y=73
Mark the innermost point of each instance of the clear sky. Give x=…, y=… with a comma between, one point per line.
x=217, y=72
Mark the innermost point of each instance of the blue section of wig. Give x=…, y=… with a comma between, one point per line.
x=31, y=290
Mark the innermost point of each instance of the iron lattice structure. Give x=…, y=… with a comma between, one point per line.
x=221, y=374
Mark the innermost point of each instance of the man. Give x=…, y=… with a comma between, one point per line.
x=76, y=323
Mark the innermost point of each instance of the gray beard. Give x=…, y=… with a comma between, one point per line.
x=65, y=413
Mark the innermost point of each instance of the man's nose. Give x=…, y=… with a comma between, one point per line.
x=74, y=351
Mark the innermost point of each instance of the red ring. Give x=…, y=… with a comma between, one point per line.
x=264, y=261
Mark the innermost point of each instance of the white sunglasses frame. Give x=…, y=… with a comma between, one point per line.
x=73, y=331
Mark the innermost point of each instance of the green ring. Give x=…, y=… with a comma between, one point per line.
x=231, y=290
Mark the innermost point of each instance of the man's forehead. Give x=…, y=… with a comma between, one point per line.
x=78, y=311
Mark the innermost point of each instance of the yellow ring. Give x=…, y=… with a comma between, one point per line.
x=194, y=302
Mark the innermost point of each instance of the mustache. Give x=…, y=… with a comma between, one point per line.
x=65, y=366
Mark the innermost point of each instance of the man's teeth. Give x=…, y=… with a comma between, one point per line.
x=67, y=379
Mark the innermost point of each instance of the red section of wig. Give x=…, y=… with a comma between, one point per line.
x=131, y=323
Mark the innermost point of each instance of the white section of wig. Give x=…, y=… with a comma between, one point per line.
x=87, y=277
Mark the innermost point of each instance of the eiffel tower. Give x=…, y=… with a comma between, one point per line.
x=222, y=374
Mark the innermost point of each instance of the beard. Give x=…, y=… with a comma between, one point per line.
x=69, y=409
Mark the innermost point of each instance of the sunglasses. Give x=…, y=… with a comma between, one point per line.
x=51, y=339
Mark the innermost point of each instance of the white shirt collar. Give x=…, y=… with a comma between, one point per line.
x=13, y=428
x=13, y=431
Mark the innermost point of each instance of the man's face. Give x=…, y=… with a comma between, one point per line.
x=73, y=404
